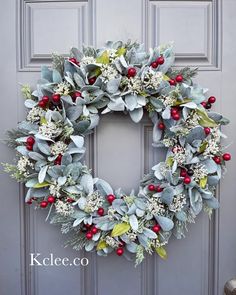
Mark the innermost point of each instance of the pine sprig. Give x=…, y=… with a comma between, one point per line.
x=12, y=135
x=186, y=72
x=58, y=62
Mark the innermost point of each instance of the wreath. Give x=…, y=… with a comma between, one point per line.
x=65, y=107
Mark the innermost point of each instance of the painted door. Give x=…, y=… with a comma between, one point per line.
x=120, y=151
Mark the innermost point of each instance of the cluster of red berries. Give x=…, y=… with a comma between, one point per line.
x=110, y=199
x=44, y=102
x=225, y=157
x=175, y=115
x=208, y=104
x=43, y=204
x=50, y=200
x=30, y=143
x=155, y=188
x=186, y=174
x=159, y=61
x=92, y=230
x=177, y=79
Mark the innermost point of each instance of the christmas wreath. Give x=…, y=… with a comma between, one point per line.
x=65, y=107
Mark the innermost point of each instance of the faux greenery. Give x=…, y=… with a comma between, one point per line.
x=66, y=106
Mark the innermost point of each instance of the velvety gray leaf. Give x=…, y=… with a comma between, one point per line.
x=165, y=223
x=149, y=233
x=133, y=222
x=42, y=174
x=213, y=203
x=136, y=115
x=78, y=140
x=167, y=195
x=30, y=103
x=131, y=101
x=87, y=183
x=104, y=187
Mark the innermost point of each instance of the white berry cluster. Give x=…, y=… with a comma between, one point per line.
x=63, y=208
x=108, y=73
x=63, y=88
x=23, y=165
x=94, y=201
x=152, y=80
x=50, y=130
x=58, y=147
x=35, y=114
x=178, y=203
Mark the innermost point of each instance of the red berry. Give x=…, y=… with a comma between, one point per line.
x=176, y=117
x=151, y=187
x=121, y=244
x=58, y=160
x=56, y=97
x=100, y=211
x=30, y=140
x=29, y=202
x=227, y=157
x=158, y=189
x=208, y=105
x=43, y=204
x=72, y=59
x=29, y=147
x=77, y=94
x=45, y=99
x=119, y=251
x=183, y=172
x=207, y=130
x=204, y=104
x=70, y=200
x=172, y=82
x=160, y=60
x=154, y=65
x=110, y=198
x=174, y=111
x=42, y=104
x=217, y=159
x=212, y=99
x=161, y=125
x=92, y=80
x=187, y=180
x=87, y=225
x=51, y=199
x=156, y=228
x=179, y=78
x=94, y=230
x=89, y=235
x=131, y=72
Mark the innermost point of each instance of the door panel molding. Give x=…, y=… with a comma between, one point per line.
x=75, y=28
x=202, y=48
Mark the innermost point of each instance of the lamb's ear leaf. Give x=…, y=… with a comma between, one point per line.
x=165, y=223
x=136, y=115
x=42, y=174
